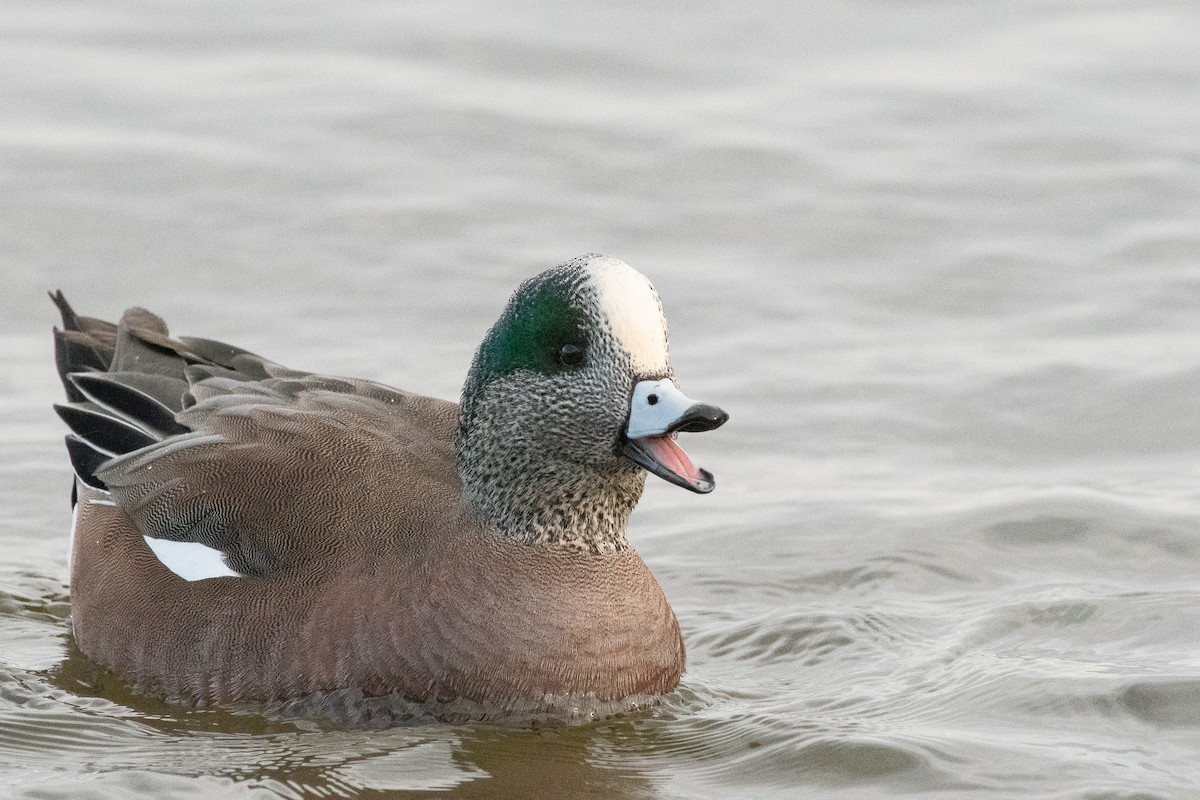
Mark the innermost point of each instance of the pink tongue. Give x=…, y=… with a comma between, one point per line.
x=671, y=456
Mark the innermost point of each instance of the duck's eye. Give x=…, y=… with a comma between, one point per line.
x=570, y=356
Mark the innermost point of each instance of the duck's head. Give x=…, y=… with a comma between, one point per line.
x=570, y=399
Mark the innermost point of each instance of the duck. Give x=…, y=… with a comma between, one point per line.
x=243, y=532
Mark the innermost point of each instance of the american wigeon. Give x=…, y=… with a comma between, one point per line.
x=248, y=532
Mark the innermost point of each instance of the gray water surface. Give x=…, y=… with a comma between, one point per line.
x=941, y=263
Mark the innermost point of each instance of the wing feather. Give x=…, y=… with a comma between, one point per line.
x=205, y=443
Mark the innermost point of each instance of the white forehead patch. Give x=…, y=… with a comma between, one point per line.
x=629, y=301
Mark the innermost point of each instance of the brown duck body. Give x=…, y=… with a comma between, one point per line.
x=363, y=568
x=462, y=615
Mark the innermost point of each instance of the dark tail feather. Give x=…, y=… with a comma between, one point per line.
x=124, y=384
x=102, y=431
x=84, y=344
x=144, y=345
x=89, y=325
x=138, y=399
x=85, y=460
x=74, y=353
x=69, y=318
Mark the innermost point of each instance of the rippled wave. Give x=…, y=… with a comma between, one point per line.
x=939, y=263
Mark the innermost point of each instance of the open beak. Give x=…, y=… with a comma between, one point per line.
x=657, y=411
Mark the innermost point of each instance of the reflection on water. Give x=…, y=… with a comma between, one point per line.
x=124, y=732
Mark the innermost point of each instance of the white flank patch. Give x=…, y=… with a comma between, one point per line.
x=631, y=305
x=191, y=561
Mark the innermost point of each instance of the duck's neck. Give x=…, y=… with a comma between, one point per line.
x=542, y=505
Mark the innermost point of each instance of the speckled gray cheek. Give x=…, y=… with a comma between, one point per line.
x=558, y=484
x=538, y=453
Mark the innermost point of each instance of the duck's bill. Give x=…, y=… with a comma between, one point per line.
x=658, y=410
x=663, y=457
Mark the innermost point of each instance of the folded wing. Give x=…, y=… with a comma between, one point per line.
x=204, y=443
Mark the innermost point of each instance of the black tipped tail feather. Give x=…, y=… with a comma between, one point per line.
x=149, y=402
x=85, y=460
x=126, y=383
x=104, y=431
x=111, y=413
